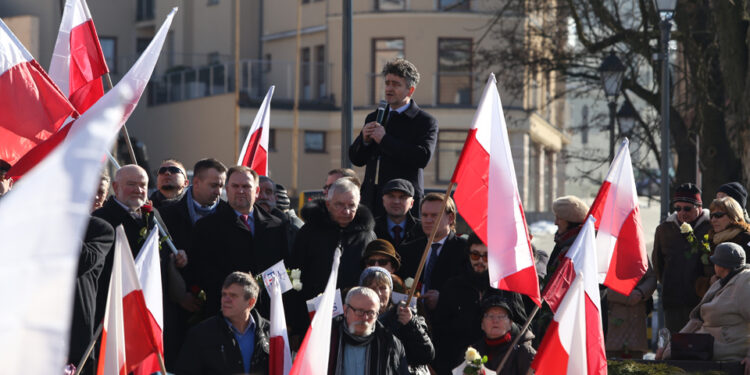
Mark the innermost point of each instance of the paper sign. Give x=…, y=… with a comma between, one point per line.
x=397, y=297
x=277, y=271
x=338, y=307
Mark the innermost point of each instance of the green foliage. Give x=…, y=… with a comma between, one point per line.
x=638, y=368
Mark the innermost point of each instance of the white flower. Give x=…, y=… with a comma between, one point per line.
x=295, y=274
x=409, y=282
x=685, y=228
x=297, y=285
x=472, y=355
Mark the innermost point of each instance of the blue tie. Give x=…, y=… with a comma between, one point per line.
x=430, y=266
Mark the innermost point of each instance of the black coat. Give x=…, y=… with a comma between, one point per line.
x=211, y=349
x=222, y=244
x=404, y=152
x=114, y=214
x=413, y=336
x=412, y=231
x=178, y=222
x=159, y=201
x=451, y=262
x=520, y=359
x=96, y=244
x=388, y=356
x=456, y=323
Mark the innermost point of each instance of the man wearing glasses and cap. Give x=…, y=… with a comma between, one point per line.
x=676, y=260
x=171, y=182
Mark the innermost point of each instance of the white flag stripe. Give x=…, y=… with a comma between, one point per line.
x=12, y=52
x=149, y=276
x=113, y=342
x=75, y=13
x=261, y=121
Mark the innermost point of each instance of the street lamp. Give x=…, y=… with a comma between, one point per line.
x=666, y=10
x=611, y=72
x=627, y=118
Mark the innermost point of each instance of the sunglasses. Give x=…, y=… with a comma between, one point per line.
x=718, y=215
x=378, y=262
x=683, y=208
x=170, y=169
x=475, y=255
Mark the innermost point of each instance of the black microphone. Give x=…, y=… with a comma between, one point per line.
x=381, y=111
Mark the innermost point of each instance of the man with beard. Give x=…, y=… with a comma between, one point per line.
x=359, y=343
x=171, y=182
x=455, y=323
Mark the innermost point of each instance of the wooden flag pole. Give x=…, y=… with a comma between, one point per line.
x=90, y=348
x=161, y=362
x=123, y=129
x=520, y=334
x=413, y=288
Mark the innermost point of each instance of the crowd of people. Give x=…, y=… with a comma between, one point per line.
x=215, y=313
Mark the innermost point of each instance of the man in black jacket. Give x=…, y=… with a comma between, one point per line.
x=235, y=341
x=239, y=237
x=447, y=256
x=398, y=225
x=402, y=145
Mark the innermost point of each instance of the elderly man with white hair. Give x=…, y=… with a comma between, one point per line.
x=339, y=220
x=360, y=344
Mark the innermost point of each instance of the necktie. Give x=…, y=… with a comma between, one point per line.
x=244, y=221
x=430, y=266
x=396, y=234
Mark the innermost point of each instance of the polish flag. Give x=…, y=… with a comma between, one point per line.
x=112, y=353
x=619, y=240
x=254, y=152
x=574, y=340
x=77, y=60
x=32, y=108
x=487, y=198
x=312, y=357
x=147, y=266
x=279, y=356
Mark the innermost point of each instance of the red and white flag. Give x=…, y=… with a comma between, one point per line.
x=619, y=241
x=147, y=266
x=312, y=357
x=112, y=353
x=77, y=61
x=32, y=108
x=574, y=340
x=487, y=198
x=279, y=356
x=254, y=153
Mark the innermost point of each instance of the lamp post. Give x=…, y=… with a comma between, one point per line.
x=666, y=11
x=611, y=72
x=627, y=118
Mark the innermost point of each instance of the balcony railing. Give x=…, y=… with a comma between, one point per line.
x=185, y=83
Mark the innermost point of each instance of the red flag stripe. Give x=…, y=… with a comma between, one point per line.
x=597, y=208
x=551, y=353
x=37, y=154
x=140, y=328
x=625, y=269
x=87, y=65
x=596, y=359
x=471, y=192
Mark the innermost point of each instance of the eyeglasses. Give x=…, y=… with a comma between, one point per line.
x=475, y=255
x=496, y=316
x=683, y=208
x=361, y=312
x=718, y=215
x=326, y=187
x=379, y=262
x=171, y=169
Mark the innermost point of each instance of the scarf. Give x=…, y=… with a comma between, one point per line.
x=726, y=235
x=372, y=351
x=197, y=211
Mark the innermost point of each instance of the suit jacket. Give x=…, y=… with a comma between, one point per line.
x=412, y=231
x=114, y=214
x=451, y=261
x=177, y=219
x=404, y=151
x=222, y=244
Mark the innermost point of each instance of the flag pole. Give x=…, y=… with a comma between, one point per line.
x=518, y=338
x=413, y=288
x=89, y=349
x=123, y=129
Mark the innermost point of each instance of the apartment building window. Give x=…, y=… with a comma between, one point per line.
x=450, y=143
x=304, y=74
x=454, y=71
x=271, y=140
x=141, y=44
x=267, y=63
x=383, y=50
x=391, y=4
x=449, y=5
x=109, y=50
x=320, y=71
x=315, y=141
x=212, y=2
x=144, y=10
x=213, y=58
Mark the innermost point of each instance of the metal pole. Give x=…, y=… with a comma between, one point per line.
x=346, y=84
x=237, y=80
x=612, y=113
x=665, y=26
x=123, y=129
x=295, y=109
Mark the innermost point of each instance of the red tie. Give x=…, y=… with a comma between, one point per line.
x=244, y=220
